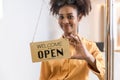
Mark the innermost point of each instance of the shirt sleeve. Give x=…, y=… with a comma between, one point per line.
x=99, y=60
x=45, y=71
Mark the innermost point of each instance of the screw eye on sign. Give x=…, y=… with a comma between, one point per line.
x=47, y=50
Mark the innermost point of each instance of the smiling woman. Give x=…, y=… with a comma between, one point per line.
x=85, y=55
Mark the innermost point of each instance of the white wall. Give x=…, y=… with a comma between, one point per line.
x=16, y=31
x=1, y=9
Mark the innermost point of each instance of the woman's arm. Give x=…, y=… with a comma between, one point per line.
x=88, y=51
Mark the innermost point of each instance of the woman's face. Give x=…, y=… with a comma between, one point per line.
x=68, y=20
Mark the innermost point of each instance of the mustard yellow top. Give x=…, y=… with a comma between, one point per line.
x=73, y=69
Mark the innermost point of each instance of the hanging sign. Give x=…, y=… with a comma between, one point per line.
x=46, y=50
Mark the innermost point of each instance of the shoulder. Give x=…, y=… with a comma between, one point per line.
x=87, y=42
x=90, y=45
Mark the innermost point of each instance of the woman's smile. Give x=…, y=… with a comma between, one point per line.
x=67, y=28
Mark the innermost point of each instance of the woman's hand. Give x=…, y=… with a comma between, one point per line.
x=81, y=51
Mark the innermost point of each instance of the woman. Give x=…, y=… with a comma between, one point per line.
x=85, y=55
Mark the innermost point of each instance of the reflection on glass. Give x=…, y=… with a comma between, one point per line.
x=118, y=32
x=116, y=24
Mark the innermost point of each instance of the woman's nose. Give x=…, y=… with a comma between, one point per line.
x=65, y=20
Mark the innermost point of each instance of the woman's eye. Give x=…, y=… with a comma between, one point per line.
x=61, y=17
x=70, y=17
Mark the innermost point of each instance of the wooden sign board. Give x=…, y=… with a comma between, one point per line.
x=46, y=50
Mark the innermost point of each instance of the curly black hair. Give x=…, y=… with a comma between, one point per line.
x=83, y=6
